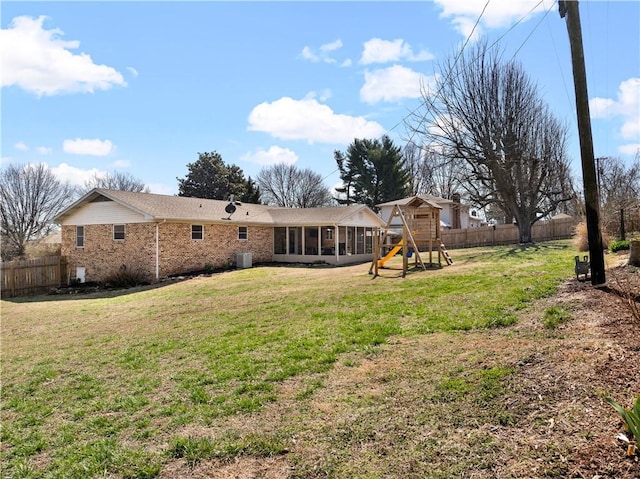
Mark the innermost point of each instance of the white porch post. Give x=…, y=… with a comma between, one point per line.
x=336, y=242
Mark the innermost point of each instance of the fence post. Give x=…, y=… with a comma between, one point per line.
x=12, y=279
x=63, y=269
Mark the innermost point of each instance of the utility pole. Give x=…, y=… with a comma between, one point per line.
x=569, y=8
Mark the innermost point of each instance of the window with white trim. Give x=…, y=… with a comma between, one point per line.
x=79, y=236
x=197, y=232
x=118, y=232
x=243, y=232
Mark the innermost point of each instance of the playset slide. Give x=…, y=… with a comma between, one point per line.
x=390, y=254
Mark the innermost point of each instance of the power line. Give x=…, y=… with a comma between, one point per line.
x=420, y=106
x=532, y=32
x=458, y=56
x=592, y=73
x=572, y=105
x=424, y=102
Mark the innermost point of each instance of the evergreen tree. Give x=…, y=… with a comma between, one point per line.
x=251, y=193
x=372, y=172
x=209, y=177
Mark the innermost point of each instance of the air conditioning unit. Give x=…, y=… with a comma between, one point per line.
x=243, y=260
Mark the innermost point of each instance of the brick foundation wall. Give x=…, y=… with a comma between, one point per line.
x=178, y=253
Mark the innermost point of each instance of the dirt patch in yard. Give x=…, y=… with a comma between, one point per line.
x=403, y=411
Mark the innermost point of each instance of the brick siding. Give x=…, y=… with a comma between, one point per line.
x=178, y=253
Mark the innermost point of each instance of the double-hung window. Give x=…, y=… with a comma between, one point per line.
x=118, y=232
x=79, y=236
x=243, y=232
x=197, y=232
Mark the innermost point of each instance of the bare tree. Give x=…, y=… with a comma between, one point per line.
x=420, y=169
x=489, y=115
x=619, y=192
x=286, y=185
x=432, y=172
x=30, y=197
x=118, y=180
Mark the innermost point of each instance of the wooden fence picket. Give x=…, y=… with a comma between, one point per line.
x=20, y=278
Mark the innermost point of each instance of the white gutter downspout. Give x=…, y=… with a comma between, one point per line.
x=157, y=252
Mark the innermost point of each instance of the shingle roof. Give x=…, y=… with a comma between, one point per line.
x=181, y=208
x=324, y=215
x=433, y=201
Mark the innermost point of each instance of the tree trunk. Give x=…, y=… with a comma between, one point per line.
x=634, y=253
x=525, y=232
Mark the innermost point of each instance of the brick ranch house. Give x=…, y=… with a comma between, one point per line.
x=160, y=235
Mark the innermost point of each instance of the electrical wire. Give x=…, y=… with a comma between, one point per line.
x=458, y=56
x=532, y=31
x=571, y=103
x=404, y=119
x=424, y=102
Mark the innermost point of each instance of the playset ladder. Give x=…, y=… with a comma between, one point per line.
x=445, y=253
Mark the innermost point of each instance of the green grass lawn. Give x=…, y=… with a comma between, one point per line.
x=111, y=384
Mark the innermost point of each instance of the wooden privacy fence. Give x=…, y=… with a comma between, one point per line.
x=561, y=228
x=20, y=278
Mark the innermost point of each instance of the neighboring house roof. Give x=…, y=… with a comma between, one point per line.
x=52, y=238
x=429, y=199
x=156, y=207
x=561, y=216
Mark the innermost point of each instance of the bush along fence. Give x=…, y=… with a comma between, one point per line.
x=560, y=228
x=20, y=278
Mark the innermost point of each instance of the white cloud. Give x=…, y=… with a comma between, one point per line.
x=21, y=145
x=44, y=150
x=309, y=120
x=440, y=126
x=323, y=54
x=81, y=146
x=377, y=50
x=274, y=155
x=323, y=96
x=5, y=159
x=39, y=61
x=162, y=189
x=307, y=54
x=330, y=47
x=392, y=84
x=626, y=107
x=75, y=176
x=630, y=149
x=133, y=71
x=601, y=107
x=346, y=63
x=121, y=164
x=498, y=14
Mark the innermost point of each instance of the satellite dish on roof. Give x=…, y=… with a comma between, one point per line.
x=230, y=208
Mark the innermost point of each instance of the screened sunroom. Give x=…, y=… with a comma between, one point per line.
x=347, y=241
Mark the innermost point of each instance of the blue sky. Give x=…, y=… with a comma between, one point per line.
x=142, y=87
